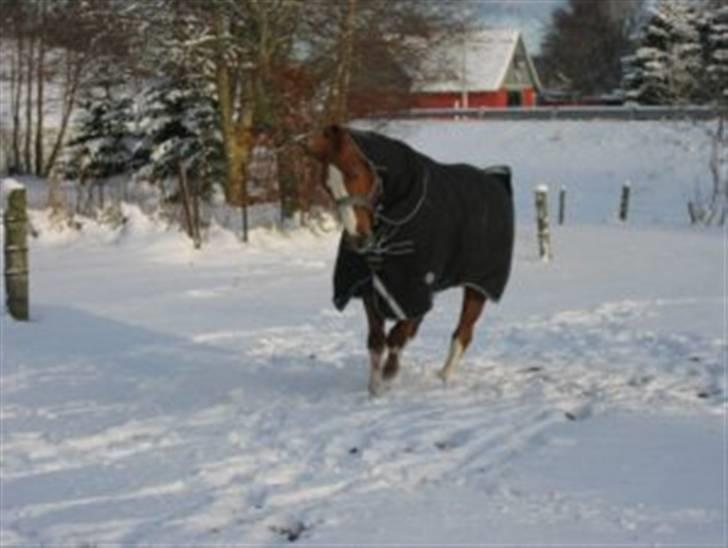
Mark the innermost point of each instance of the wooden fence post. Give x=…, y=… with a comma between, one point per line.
x=192, y=230
x=16, y=253
x=562, y=204
x=624, y=202
x=542, y=220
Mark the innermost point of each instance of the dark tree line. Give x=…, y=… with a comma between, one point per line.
x=585, y=42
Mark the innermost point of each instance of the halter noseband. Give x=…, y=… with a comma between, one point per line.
x=366, y=200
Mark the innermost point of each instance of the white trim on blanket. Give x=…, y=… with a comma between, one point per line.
x=387, y=296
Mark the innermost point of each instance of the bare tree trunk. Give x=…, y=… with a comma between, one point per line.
x=30, y=62
x=17, y=94
x=185, y=197
x=196, y=215
x=233, y=142
x=40, y=102
x=340, y=90
x=73, y=78
x=717, y=161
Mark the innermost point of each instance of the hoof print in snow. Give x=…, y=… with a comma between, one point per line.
x=695, y=359
x=709, y=393
x=354, y=451
x=640, y=381
x=579, y=413
x=534, y=369
x=444, y=445
x=291, y=532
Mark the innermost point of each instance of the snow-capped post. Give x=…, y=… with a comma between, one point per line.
x=624, y=202
x=16, y=250
x=562, y=204
x=542, y=220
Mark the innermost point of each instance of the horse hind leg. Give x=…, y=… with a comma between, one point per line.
x=473, y=304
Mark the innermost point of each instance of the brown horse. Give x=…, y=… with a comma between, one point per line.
x=364, y=174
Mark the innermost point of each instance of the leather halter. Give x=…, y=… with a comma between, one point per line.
x=366, y=200
x=361, y=200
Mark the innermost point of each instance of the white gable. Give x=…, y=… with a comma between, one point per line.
x=476, y=61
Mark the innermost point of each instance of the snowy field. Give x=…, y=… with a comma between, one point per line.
x=162, y=395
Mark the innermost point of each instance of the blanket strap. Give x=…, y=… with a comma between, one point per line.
x=387, y=296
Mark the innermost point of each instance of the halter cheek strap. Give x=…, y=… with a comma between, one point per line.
x=361, y=200
x=367, y=201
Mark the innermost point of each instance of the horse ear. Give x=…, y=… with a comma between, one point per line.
x=332, y=131
x=324, y=144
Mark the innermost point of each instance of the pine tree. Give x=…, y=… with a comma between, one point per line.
x=180, y=125
x=716, y=47
x=103, y=141
x=682, y=55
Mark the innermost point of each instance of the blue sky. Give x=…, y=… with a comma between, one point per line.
x=529, y=16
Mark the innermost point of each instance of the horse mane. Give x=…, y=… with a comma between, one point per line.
x=326, y=145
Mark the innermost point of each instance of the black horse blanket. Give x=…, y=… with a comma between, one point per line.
x=436, y=226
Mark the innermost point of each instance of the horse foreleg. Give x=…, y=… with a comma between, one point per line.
x=473, y=303
x=376, y=341
x=402, y=332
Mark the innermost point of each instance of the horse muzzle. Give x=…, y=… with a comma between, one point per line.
x=360, y=243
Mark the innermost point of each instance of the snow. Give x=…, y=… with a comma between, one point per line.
x=162, y=395
x=7, y=186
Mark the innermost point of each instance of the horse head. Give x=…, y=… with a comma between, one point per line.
x=349, y=179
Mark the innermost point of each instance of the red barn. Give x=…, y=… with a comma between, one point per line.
x=488, y=68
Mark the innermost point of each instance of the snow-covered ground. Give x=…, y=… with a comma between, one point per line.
x=162, y=395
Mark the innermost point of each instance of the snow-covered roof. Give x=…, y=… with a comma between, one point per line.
x=477, y=61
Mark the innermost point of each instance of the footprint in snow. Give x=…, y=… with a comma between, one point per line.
x=291, y=532
x=579, y=412
x=710, y=392
x=457, y=440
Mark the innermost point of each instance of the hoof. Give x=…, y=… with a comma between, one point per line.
x=443, y=375
x=376, y=384
x=391, y=366
x=390, y=371
x=377, y=389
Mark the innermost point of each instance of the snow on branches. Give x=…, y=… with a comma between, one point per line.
x=682, y=55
